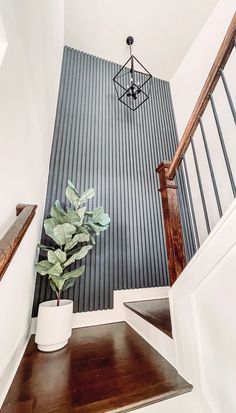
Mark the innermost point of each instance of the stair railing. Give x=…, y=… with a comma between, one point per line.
x=13, y=237
x=167, y=170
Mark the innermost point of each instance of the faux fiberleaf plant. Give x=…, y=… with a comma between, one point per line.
x=69, y=229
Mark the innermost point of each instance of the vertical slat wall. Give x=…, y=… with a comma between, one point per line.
x=100, y=143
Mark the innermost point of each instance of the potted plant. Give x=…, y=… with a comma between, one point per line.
x=71, y=233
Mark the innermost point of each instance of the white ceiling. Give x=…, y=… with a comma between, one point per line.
x=163, y=29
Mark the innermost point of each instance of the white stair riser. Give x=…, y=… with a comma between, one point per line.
x=155, y=337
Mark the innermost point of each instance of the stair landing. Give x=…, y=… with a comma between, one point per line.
x=156, y=312
x=106, y=368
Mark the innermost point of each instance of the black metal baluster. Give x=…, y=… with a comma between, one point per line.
x=211, y=168
x=223, y=145
x=201, y=188
x=191, y=204
x=228, y=94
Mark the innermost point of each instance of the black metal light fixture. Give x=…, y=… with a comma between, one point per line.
x=132, y=82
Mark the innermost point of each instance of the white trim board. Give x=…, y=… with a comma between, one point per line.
x=11, y=368
x=91, y=318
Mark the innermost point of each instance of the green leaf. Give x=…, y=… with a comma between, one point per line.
x=49, y=225
x=85, y=231
x=81, y=213
x=94, y=227
x=56, y=256
x=57, y=215
x=75, y=273
x=97, y=214
x=104, y=220
x=73, y=218
x=92, y=239
x=68, y=284
x=58, y=282
x=52, y=285
x=60, y=255
x=87, y=195
x=72, y=186
x=56, y=269
x=75, y=240
x=72, y=196
x=59, y=207
x=63, y=233
x=43, y=267
x=78, y=255
x=52, y=258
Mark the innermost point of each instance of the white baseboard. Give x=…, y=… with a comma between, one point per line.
x=91, y=318
x=11, y=368
x=156, y=338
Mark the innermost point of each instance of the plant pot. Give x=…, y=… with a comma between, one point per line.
x=54, y=325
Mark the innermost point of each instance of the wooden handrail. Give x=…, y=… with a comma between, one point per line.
x=13, y=237
x=209, y=86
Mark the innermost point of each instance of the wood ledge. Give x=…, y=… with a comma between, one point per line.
x=13, y=237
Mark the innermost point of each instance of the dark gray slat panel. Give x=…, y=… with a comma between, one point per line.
x=153, y=204
x=78, y=300
x=190, y=246
x=161, y=143
x=160, y=266
x=157, y=152
x=171, y=144
x=101, y=143
x=82, y=144
x=135, y=187
x=149, y=182
x=41, y=282
x=161, y=154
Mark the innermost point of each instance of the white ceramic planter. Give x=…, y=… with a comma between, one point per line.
x=54, y=325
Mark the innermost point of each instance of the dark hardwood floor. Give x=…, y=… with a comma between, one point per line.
x=107, y=368
x=156, y=312
x=19, y=407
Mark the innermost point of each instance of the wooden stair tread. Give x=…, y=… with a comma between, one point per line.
x=19, y=407
x=156, y=312
x=104, y=368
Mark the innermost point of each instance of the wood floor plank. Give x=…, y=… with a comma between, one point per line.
x=106, y=368
x=156, y=312
x=19, y=407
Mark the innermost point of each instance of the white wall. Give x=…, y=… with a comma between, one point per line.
x=163, y=30
x=203, y=310
x=29, y=79
x=186, y=85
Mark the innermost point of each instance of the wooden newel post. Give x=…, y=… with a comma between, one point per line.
x=172, y=223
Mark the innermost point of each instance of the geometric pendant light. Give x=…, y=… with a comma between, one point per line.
x=132, y=82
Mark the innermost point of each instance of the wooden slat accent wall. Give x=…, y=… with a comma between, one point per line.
x=99, y=142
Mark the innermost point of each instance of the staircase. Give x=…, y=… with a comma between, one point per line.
x=105, y=368
x=151, y=319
